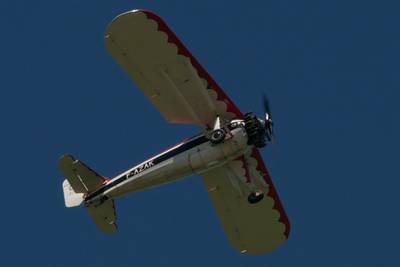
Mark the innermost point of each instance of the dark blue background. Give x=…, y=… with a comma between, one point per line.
x=331, y=69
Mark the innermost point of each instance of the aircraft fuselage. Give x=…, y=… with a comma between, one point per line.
x=192, y=156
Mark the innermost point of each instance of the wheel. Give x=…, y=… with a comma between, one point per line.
x=255, y=197
x=217, y=136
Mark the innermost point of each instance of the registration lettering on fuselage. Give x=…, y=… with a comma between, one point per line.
x=140, y=169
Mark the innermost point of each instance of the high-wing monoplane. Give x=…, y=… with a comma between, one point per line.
x=225, y=154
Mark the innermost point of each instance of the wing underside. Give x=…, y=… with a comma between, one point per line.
x=250, y=228
x=169, y=76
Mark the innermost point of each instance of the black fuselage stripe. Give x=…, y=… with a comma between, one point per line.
x=182, y=148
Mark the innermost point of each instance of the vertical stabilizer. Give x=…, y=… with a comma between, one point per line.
x=71, y=198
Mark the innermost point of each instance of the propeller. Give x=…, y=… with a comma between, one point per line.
x=269, y=125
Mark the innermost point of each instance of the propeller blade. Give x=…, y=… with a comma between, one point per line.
x=268, y=119
x=267, y=109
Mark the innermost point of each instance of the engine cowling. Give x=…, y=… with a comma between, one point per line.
x=255, y=129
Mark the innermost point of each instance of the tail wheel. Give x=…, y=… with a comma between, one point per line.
x=217, y=136
x=255, y=197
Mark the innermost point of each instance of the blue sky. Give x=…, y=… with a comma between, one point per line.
x=330, y=68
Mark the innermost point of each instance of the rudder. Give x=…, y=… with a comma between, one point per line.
x=71, y=198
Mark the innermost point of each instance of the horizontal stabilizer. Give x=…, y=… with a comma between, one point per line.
x=103, y=216
x=80, y=177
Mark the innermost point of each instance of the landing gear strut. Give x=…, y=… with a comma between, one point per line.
x=255, y=197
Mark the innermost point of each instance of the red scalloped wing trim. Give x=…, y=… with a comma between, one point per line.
x=182, y=50
x=272, y=192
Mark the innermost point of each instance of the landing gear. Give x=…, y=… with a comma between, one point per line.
x=255, y=197
x=217, y=136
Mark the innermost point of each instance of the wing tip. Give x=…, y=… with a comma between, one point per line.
x=148, y=13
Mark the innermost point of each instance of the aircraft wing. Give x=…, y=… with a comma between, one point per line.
x=162, y=67
x=251, y=228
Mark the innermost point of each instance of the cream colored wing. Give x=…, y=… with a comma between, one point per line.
x=166, y=72
x=251, y=228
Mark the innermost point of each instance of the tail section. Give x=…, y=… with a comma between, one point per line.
x=80, y=180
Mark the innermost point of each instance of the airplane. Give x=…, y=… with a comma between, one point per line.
x=225, y=154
